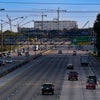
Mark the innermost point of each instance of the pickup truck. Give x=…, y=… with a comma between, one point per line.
x=72, y=75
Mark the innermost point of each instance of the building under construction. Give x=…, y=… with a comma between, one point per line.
x=55, y=25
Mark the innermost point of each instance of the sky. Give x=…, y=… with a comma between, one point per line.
x=35, y=8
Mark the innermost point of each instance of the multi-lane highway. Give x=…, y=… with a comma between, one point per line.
x=51, y=67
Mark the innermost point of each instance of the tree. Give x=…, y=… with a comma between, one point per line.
x=9, y=33
x=96, y=28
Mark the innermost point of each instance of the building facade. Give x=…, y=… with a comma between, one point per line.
x=55, y=25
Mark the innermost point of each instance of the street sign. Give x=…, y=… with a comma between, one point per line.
x=81, y=40
x=95, y=49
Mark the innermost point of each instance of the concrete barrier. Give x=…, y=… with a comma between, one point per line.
x=28, y=59
x=21, y=64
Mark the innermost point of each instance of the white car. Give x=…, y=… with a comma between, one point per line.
x=9, y=60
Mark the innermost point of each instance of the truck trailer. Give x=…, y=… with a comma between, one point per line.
x=84, y=59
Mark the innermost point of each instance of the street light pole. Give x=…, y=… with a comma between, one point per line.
x=10, y=23
x=58, y=19
x=2, y=33
x=9, y=19
x=28, y=32
x=1, y=38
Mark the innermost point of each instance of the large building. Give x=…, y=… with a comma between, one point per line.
x=55, y=25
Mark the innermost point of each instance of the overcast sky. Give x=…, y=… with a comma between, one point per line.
x=34, y=8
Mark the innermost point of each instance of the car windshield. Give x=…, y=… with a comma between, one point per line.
x=90, y=81
x=47, y=85
x=69, y=65
x=92, y=77
x=73, y=73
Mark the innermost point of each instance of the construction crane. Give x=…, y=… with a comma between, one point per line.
x=85, y=24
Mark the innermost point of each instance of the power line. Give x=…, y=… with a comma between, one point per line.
x=45, y=3
x=72, y=16
x=47, y=11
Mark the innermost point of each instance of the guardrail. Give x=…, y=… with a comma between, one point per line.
x=93, y=65
x=28, y=59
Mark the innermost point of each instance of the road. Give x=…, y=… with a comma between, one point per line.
x=16, y=60
x=51, y=67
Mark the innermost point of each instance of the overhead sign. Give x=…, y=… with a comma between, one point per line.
x=95, y=49
x=81, y=40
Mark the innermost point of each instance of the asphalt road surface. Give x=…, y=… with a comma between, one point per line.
x=51, y=67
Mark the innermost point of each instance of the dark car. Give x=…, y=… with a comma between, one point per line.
x=74, y=53
x=72, y=75
x=87, y=50
x=23, y=50
x=19, y=53
x=2, y=62
x=91, y=84
x=92, y=78
x=27, y=54
x=59, y=51
x=48, y=88
x=4, y=54
x=70, y=66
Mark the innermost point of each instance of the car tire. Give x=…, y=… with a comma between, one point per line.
x=42, y=93
x=68, y=78
x=86, y=87
x=52, y=93
x=94, y=88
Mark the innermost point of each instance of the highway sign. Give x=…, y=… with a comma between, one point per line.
x=81, y=40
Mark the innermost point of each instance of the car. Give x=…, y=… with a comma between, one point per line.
x=73, y=75
x=4, y=54
x=27, y=54
x=2, y=62
x=74, y=53
x=48, y=88
x=9, y=54
x=59, y=51
x=90, y=84
x=92, y=77
x=70, y=66
x=1, y=55
x=19, y=53
x=87, y=50
x=23, y=50
x=9, y=60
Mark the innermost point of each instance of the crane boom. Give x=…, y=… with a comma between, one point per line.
x=85, y=24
